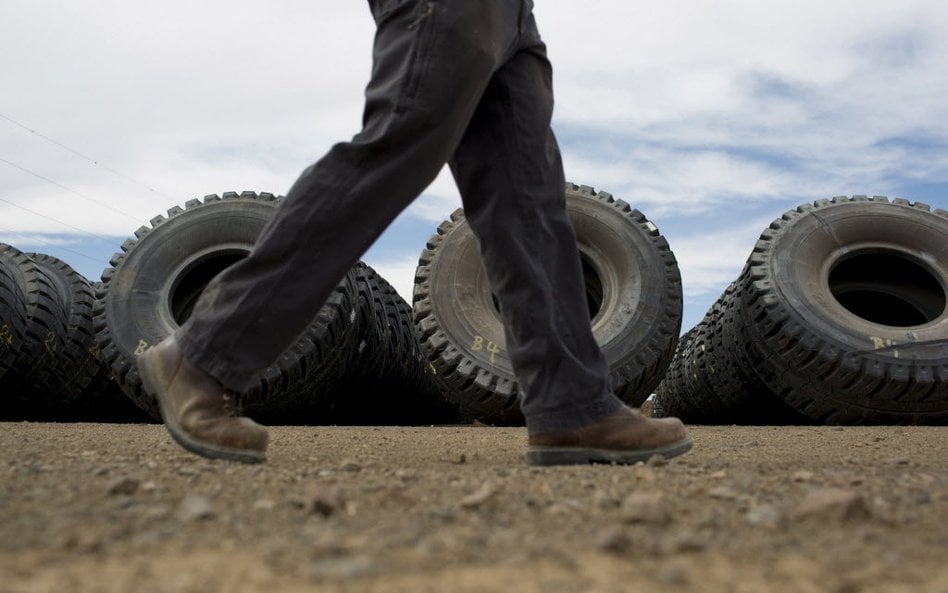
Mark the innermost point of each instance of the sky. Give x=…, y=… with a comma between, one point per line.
x=712, y=118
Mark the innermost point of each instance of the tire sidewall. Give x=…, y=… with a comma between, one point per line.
x=803, y=255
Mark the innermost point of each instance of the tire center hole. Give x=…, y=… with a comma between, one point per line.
x=887, y=288
x=592, y=283
x=191, y=283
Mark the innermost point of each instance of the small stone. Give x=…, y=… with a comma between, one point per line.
x=196, y=508
x=644, y=473
x=832, y=503
x=442, y=513
x=656, y=461
x=675, y=573
x=645, y=507
x=349, y=465
x=802, y=476
x=462, y=459
x=264, y=504
x=406, y=475
x=722, y=493
x=604, y=500
x=613, y=540
x=479, y=497
x=149, y=486
x=344, y=567
x=324, y=502
x=718, y=475
x=123, y=487
x=763, y=515
x=687, y=542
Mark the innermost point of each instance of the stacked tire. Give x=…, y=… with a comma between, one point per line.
x=49, y=364
x=389, y=381
x=633, y=288
x=840, y=316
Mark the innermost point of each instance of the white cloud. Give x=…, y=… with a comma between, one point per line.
x=683, y=108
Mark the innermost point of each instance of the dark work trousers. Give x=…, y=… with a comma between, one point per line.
x=459, y=81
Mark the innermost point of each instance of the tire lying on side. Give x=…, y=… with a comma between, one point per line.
x=709, y=380
x=633, y=288
x=845, y=311
x=12, y=312
x=155, y=281
x=78, y=360
x=35, y=370
x=389, y=381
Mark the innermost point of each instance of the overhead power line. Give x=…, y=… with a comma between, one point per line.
x=70, y=190
x=95, y=162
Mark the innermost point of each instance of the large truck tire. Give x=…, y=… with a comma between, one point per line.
x=77, y=361
x=390, y=381
x=710, y=380
x=35, y=370
x=12, y=311
x=633, y=289
x=845, y=311
x=155, y=281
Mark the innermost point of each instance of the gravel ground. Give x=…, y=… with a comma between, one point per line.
x=102, y=508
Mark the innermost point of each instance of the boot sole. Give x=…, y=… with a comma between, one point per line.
x=588, y=455
x=150, y=382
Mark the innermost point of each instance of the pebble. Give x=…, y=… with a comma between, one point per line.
x=479, y=497
x=344, y=567
x=649, y=508
x=349, y=465
x=763, y=515
x=264, y=504
x=123, y=487
x=722, y=493
x=613, y=540
x=323, y=501
x=802, y=476
x=675, y=573
x=832, y=503
x=196, y=508
x=656, y=461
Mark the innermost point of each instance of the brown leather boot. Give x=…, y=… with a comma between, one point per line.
x=197, y=410
x=624, y=437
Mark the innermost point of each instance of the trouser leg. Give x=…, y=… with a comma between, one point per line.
x=510, y=174
x=431, y=62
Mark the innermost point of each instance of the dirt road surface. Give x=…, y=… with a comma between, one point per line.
x=120, y=508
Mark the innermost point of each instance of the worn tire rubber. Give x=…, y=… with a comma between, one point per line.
x=390, y=381
x=632, y=283
x=12, y=312
x=710, y=381
x=845, y=311
x=78, y=361
x=156, y=279
x=35, y=371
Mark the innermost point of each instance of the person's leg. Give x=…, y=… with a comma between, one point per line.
x=417, y=108
x=509, y=170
